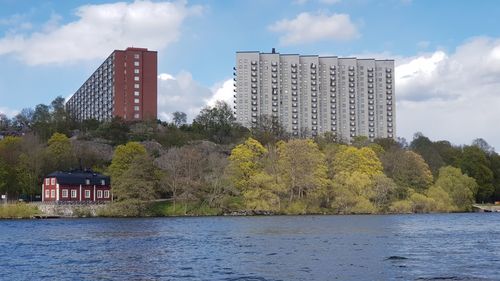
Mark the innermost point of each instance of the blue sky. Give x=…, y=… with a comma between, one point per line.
x=447, y=52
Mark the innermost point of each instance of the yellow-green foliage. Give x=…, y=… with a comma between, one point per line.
x=123, y=156
x=245, y=162
x=262, y=194
x=303, y=168
x=350, y=159
x=461, y=188
x=401, y=207
x=296, y=208
x=17, y=211
x=443, y=202
x=352, y=192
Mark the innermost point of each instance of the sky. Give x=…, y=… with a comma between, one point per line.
x=447, y=52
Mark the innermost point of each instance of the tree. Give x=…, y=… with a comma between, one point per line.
x=352, y=192
x=42, y=121
x=244, y=162
x=268, y=130
x=425, y=148
x=59, y=153
x=217, y=123
x=179, y=118
x=483, y=145
x=461, y=188
x=136, y=186
x=303, y=168
x=350, y=159
x=474, y=162
x=384, y=192
x=123, y=157
x=408, y=170
x=184, y=167
x=5, y=122
x=116, y=131
x=10, y=148
x=24, y=120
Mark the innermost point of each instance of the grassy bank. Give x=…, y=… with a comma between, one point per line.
x=17, y=211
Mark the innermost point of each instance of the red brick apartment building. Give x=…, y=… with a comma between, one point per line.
x=124, y=85
x=76, y=186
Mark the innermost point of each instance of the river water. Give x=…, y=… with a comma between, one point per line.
x=393, y=247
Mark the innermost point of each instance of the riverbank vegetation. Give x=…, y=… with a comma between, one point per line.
x=17, y=211
x=215, y=166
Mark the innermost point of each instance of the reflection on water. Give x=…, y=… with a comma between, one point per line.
x=403, y=247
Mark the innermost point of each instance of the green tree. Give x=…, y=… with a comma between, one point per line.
x=179, y=118
x=474, y=162
x=303, y=168
x=262, y=193
x=59, y=153
x=459, y=187
x=408, y=170
x=217, y=123
x=425, y=148
x=123, y=157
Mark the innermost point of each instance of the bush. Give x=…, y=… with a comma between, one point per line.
x=296, y=208
x=125, y=208
x=401, y=207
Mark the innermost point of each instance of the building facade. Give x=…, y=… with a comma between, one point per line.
x=312, y=95
x=76, y=186
x=124, y=85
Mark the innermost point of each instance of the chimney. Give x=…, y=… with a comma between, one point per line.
x=274, y=51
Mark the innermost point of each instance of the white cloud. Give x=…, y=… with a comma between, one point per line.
x=8, y=111
x=310, y=28
x=222, y=92
x=182, y=93
x=453, y=96
x=98, y=30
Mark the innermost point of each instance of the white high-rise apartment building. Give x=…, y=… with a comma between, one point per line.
x=312, y=95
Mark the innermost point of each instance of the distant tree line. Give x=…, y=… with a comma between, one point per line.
x=215, y=162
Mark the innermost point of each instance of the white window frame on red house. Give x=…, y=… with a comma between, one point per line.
x=47, y=181
x=53, y=181
x=87, y=193
x=53, y=193
x=103, y=182
x=99, y=194
x=47, y=193
x=73, y=193
x=64, y=193
x=106, y=193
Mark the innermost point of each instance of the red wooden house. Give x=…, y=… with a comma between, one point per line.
x=76, y=186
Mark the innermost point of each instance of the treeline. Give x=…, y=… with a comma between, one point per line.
x=215, y=166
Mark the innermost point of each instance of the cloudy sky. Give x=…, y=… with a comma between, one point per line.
x=447, y=52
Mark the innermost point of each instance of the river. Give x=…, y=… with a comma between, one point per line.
x=392, y=247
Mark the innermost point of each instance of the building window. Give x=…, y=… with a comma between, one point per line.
x=73, y=193
x=136, y=78
x=87, y=193
x=136, y=116
x=136, y=108
x=103, y=182
x=87, y=182
x=136, y=56
x=136, y=100
x=136, y=86
x=106, y=193
x=53, y=181
x=99, y=194
x=65, y=193
x=47, y=181
x=47, y=193
x=136, y=71
x=53, y=193
x=136, y=93
x=136, y=63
